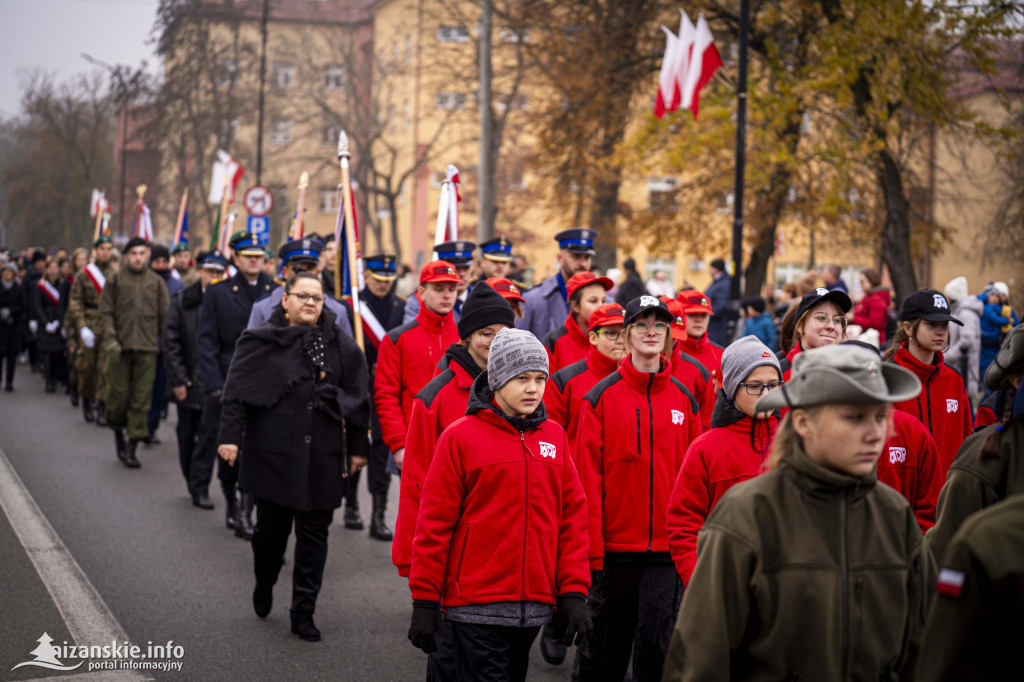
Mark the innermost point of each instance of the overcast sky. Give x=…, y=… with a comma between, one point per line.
x=51, y=34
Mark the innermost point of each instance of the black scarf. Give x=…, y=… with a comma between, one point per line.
x=271, y=360
x=457, y=353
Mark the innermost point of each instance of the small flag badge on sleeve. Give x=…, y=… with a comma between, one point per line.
x=951, y=582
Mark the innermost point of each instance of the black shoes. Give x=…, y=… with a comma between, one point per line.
x=51, y=386
x=231, y=515
x=87, y=411
x=202, y=501
x=9, y=388
x=243, y=524
x=152, y=439
x=122, y=446
x=378, y=528
x=551, y=647
x=353, y=521
x=101, y=413
x=73, y=393
x=304, y=627
x=263, y=600
x=130, y=460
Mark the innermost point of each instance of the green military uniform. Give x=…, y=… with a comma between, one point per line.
x=83, y=311
x=976, y=625
x=133, y=310
x=804, y=572
x=974, y=484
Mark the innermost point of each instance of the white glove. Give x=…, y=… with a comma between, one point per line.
x=5, y=314
x=33, y=326
x=51, y=327
x=88, y=338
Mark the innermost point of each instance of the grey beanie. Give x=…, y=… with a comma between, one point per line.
x=12, y=266
x=513, y=352
x=741, y=358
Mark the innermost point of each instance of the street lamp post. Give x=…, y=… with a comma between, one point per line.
x=123, y=98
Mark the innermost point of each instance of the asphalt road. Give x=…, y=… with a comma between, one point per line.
x=168, y=571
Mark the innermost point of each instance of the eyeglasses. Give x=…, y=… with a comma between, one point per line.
x=486, y=334
x=758, y=389
x=822, y=320
x=306, y=298
x=644, y=327
x=611, y=335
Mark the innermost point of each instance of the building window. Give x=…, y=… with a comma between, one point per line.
x=452, y=34
x=394, y=56
x=331, y=134
x=514, y=35
x=662, y=193
x=391, y=118
x=227, y=71
x=519, y=101
x=405, y=115
x=328, y=199
x=229, y=128
x=408, y=49
x=284, y=75
x=450, y=100
x=334, y=78
x=281, y=131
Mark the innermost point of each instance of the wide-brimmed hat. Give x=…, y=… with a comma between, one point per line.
x=841, y=374
x=1009, y=358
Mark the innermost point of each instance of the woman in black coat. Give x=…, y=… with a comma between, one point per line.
x=296, y=404
x=48, y=312
x=12, y=307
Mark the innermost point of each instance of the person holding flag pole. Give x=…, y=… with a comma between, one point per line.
x=180, y=253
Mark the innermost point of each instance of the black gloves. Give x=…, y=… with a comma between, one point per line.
x=572, y=619
x=424, y=625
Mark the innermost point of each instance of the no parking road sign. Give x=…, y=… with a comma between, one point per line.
x=259, y=200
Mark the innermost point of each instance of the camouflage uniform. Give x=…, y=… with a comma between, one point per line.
x=83, y=311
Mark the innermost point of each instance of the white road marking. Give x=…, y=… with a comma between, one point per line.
x=86, y=615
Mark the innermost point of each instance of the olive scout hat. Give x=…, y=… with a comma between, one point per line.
x=841, y=374
x=1010, y=358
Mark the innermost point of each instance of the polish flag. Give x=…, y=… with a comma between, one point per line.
x=225, y=165
x=667, y=98
x=704, y=61
x=687, y=33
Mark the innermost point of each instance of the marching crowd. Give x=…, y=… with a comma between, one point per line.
x=823, y=489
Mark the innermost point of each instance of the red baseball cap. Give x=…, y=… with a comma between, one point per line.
x=582, y=279
x=505, y=287
x=438, y=272
x=694, y=302
x=607, y=315
x=678, y=311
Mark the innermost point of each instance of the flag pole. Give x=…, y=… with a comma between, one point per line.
x=300, y=223
x=181, y=217
x=442, y=216
x=222, y=214
x=741, y=136
x=351, y=243
x=99, y=220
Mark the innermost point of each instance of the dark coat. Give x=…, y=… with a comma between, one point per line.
x=223, y=317
x=296, y=433
x=718, y=293
x=45, y=311
x=10, y=331
x=180, y=344
x=632, y=288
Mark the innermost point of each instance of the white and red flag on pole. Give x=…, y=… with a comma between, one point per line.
x=225, y=166
x=99, y=204
x=447, y=228
x=690, y=61
x=704, y=61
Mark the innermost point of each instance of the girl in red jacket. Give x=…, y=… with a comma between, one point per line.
x=635, y=427
x=733, y=450
x=820, y=321
x=698, y=311
x=568, y=342
x=564, y=394
x=872, y=310
x=943, y=405
x=501, y=538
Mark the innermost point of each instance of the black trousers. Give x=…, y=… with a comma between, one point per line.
x=159, y=401
x=55, y=366
x=205, y=453
x=441, y=663
x=492, y=653
x=273, y=526
x=187, y=431
x=10, y=359
x=633, y=604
